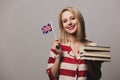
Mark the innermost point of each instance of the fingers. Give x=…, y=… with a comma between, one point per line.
x=56, y=44
x=57, y=47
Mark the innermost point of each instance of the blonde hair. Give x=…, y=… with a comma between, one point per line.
x=81, y=35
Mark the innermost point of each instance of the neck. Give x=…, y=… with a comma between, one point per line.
x=72, y=39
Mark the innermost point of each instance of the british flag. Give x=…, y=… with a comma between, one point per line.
x=47, y=28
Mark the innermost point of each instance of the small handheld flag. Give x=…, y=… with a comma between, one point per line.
x=47, y=28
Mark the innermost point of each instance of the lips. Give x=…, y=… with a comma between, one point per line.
x=70, y=27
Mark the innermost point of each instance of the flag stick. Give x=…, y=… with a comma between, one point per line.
x=57, y=46
x=53, y=31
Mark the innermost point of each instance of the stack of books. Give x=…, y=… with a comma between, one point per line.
x=95, y=53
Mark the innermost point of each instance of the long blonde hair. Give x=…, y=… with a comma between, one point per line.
x=81, y=35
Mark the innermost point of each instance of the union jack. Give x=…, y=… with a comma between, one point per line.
x=47, y=28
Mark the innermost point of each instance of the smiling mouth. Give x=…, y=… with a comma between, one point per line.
x=70, y=27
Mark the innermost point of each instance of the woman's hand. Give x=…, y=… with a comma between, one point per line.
x=57, y=47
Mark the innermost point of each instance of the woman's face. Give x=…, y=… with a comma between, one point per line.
x=70, y=22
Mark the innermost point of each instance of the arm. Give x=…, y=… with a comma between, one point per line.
x=54, y=62
x=55, y=67
x=94, y=67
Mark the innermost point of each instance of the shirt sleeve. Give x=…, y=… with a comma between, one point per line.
x=51, y=61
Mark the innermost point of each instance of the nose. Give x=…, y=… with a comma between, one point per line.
x=69, y=22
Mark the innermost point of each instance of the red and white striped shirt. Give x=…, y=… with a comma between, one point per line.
x=71, y=67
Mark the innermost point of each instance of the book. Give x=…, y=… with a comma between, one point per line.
x=96, y=59
x=96, y=48
x=98, y=53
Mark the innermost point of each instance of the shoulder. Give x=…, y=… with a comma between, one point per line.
x=91, y=43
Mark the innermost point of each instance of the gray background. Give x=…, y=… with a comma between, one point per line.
x=24, y=49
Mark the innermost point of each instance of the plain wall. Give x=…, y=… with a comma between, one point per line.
x=24, y=50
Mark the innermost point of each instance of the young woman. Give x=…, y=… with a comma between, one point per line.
x=64, y=62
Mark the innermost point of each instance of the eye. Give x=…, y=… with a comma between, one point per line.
x=64, y=21
x=72, y=18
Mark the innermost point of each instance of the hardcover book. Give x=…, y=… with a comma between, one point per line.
x=97, y=53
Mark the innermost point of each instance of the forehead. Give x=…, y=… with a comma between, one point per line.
x=67, y=14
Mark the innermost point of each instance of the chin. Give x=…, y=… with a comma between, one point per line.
x=73, y=33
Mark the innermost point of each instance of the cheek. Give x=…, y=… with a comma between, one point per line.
x=76, y=22
x=64, y=25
